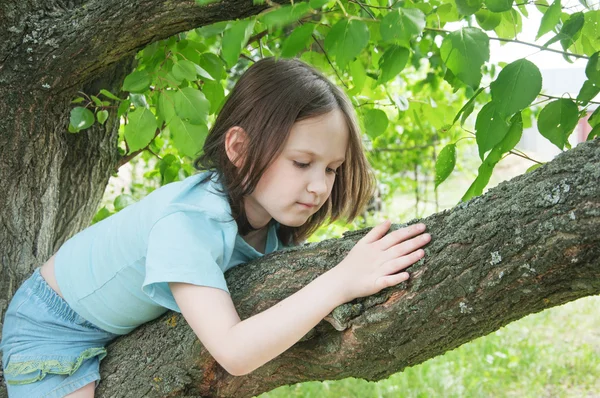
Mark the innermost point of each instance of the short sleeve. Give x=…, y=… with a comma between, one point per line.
x=184, y=247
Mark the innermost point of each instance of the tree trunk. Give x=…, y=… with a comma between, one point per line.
x=527, y=245
x=518, y=242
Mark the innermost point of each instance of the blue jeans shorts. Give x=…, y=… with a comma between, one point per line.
x=48, y=350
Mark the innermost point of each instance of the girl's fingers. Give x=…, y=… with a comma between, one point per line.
x=390, y=280
x=400, y=235
x=408, y=246
x=398, y=264
x=377, y=232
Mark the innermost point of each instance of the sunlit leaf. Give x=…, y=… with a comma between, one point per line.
x=392, y=62
x=234, y=40
x=137, y=82
x=464, y=52
x=140, y=129
x=490, y=128
x=81, y=118
x=402, y=24
x=445, y=163
x=346, y=40
x=550, y=19
x=515, y=88
x=557, y=121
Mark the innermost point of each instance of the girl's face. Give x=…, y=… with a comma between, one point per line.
x=300, y=179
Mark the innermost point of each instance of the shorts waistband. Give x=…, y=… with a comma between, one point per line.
x=40, y=288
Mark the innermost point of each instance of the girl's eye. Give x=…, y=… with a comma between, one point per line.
x=331, y=171
x=301, y=165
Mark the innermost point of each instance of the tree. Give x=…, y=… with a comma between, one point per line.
x=52, y=181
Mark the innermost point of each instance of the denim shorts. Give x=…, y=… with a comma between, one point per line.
x=48, y=350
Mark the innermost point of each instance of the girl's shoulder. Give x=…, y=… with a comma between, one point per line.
x=199, y=193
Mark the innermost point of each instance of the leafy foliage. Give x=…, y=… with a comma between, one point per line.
x=416, y=86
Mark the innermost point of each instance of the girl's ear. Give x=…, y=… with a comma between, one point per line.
x=235, y=145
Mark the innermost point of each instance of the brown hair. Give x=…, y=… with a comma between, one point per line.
x=267, y=100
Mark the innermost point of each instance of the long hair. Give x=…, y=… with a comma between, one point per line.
x=267, y=100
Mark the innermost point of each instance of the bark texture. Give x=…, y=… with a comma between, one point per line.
x=527, y=245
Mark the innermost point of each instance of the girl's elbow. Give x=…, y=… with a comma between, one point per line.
x=234, y=367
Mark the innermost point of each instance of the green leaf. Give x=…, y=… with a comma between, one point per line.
x=203, y=74
x=184, y=70
x=188, y=138
x=445, y=163
x=592, y=69
x=235, y=39
x=510, y=25
x=358, y=73
x=215, y=94
x=375, y=122
x=317, y=4
x=464, y=52
x=140, y=129
x=297, y=41
x=284, y=15
x=512, y=137
x=467, y=105
x=594, y=133
x=569, y=31
x=550, y=19
x=587, y=93
x=517, y=85
x=589, y=39
x=101, y=215
x=110, y=95
x=78, y=100
x=212, y=29
x=123, y=108
x=498, y=5
x=490, y=128
x=468, y=7
x=594, y=119
x=346, y=40
x=122, y=201
x=213, y=65
x=557, y=121
x=81, y=118
x=165, y=110
x=535, y=166
x=402, y=24
x=488, y=20
x=191, y=104
x=392, y=62
x=101, y=116
x=96, y=100
x=137, y=82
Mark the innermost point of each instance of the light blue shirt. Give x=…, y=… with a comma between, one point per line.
x=115, y=273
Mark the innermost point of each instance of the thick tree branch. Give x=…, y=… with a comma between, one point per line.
x=526, y=245
x=66, y=45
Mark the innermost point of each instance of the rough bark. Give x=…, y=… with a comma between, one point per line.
x=527, y=245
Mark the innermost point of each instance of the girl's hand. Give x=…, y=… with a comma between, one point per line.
x=375, y=262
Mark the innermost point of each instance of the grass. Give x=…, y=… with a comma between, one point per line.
x=555, y=353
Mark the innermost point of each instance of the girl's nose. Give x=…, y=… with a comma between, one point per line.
x=318, y=183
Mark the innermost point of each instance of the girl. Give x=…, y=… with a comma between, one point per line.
x=283, y=157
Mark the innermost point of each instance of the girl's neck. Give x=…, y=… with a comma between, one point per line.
x=257, y=238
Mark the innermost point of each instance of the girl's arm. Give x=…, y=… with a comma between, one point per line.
x=242, y=346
